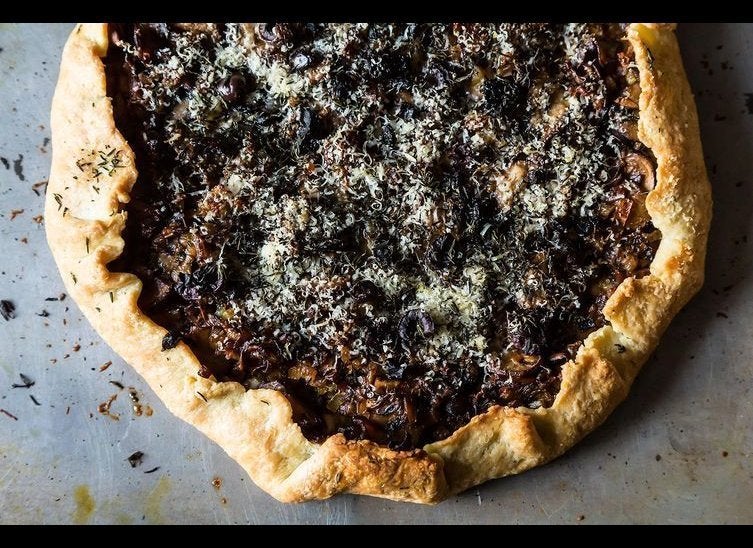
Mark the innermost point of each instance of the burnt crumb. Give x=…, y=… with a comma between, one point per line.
x=658, y=458
x=725, y=454
x=117, y=384
x=620, y=348
x=8, y=414
x=152, y=470
x=135, y=459
x=18, y=167
x=15, y=213
x=33, y=399
x=5, y=162
x=719, y=118
x=43, y=314
x=36, y=187
x=721, y=315
x=105, y=365
x=26, y=382
x=7, y=310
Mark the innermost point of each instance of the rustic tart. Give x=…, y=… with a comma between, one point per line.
x=393, y=260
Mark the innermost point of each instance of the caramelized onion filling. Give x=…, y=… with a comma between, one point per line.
x=398, y=226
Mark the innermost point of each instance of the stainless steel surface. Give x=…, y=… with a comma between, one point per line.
x=679, y=450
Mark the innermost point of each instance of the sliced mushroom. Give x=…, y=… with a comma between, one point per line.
x=505, y=186
x=622, y=210
x=149, y=38
x=197, y=28
x=627, y=102
x=301, y=60
x=266, y=32
x=364, y=291
x=414, y=321
x=254, y=34
x=232, y=88
x=640, y=170
x=557, y=107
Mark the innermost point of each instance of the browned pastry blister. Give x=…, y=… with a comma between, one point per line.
x=379, y=262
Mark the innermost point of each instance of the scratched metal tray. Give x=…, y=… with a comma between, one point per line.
x=679, y=450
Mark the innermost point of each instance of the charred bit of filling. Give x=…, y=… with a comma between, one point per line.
x=397, y=226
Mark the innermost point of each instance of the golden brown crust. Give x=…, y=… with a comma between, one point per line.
x=255, y=427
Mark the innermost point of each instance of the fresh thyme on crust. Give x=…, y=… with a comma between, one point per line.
x=396, y=226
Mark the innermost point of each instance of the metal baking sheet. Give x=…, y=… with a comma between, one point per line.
x=680, y=450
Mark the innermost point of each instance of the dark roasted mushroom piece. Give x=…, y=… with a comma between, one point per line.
x=640, y=171
x=366, y=291
x=266, y=32
x=415, y=323
x=301, y=60
x=149, y=38
x=232, y=88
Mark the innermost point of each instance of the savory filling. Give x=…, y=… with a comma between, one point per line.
x=397, y=226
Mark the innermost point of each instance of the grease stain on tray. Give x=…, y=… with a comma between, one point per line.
x=123, y=519
x=154, y=500
x=85, y=504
